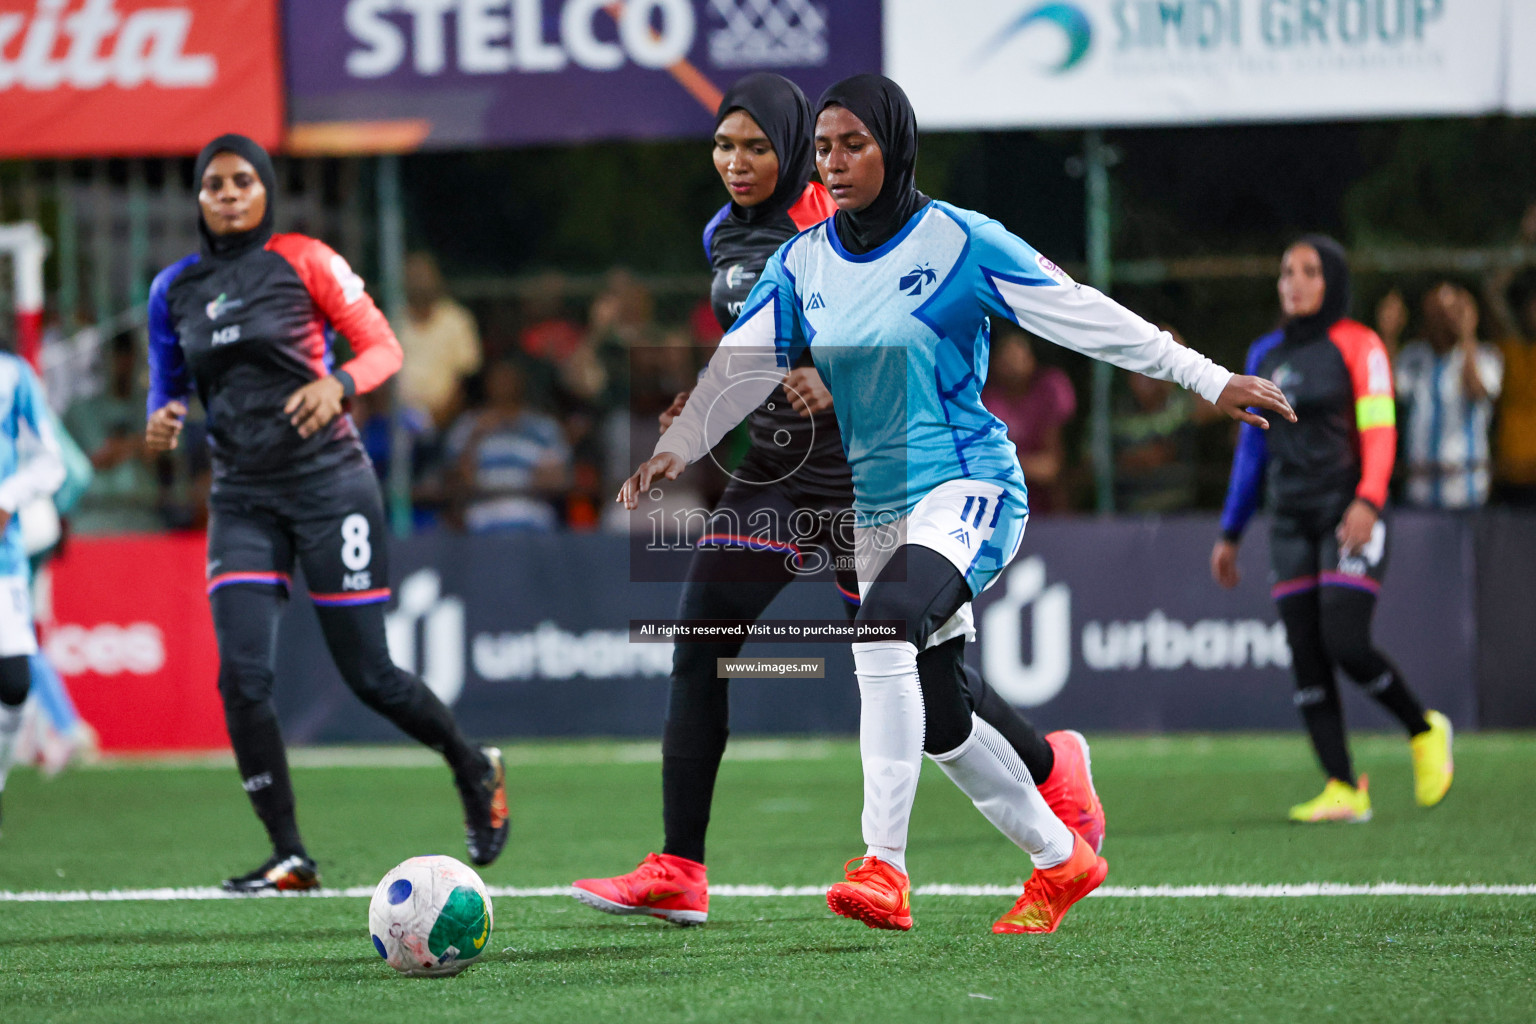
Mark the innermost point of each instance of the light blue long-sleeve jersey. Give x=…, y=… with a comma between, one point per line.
x=31, y=465
x=901, y=338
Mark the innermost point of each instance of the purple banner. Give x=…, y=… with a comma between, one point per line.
x=440, y=74
x=1097, y=625
x=1118, y=625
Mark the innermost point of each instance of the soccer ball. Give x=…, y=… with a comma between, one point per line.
x=430, y=917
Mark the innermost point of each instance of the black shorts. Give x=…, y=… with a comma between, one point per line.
x=1304, y=554
x=334, y=526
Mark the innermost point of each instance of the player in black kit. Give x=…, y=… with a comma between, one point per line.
x=245, y=323
x=1325, y=477
x=795, y=481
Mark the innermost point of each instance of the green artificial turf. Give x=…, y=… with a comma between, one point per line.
x=1183, y=810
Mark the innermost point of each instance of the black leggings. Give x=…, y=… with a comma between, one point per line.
x=1326, y=599
x=15, y=680
x=245, y=618
x=1329, y=628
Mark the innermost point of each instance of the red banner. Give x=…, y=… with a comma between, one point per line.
x=133, y=639
x=137, y=77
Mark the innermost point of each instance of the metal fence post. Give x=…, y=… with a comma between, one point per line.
x=1096, y=160
x=391, y=216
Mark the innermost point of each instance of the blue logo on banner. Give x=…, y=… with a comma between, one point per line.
x=1073, y=23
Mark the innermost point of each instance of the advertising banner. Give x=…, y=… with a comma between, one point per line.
x=136, y=77
x=133, y=639
x=1096, y=625
x=1033, y=63
x=1506, y=599
x=1100, y=625
x=529, y=636
x=371, y=74
x=1520, y=41
x=1118, y=625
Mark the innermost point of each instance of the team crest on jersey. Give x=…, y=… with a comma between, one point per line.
x=1287, y=380
x=221, y=305
x=912, y=281
x=815, y=302
x=738, y=275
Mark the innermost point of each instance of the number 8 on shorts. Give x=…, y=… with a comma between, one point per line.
x=356, y=552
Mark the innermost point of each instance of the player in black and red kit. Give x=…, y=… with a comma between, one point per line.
x=1326, y=479
x=246, y=323
x=794, y=474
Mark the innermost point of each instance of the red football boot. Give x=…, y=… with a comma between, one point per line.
x=671, y=888
x=1069, y=790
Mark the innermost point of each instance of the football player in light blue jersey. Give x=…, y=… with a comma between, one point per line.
x=31, y=466
x=891, y=296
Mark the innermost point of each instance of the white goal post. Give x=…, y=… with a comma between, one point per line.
x=27, y=247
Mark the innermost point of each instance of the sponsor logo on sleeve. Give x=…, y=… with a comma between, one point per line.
x=1052, y=271
x=351, y=285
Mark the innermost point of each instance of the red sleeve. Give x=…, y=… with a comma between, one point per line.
x=814, y=206
x=340, y=297
x=1370, y=372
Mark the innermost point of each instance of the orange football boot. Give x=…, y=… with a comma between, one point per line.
x=875, y=893
x=1050, y=892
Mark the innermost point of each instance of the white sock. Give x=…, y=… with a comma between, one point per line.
x=890, y=743
x=10, y=725
x=988, y=771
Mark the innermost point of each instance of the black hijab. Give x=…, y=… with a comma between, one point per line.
x=784, y=114
x=227, y=247
x=1336, y=295
x=887, y=113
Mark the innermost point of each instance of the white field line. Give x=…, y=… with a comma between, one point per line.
x=1282, y=891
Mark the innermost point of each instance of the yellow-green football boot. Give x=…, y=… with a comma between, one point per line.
x=1339, y=801
x=1432, y=764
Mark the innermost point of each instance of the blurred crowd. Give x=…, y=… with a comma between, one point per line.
x=527, y=415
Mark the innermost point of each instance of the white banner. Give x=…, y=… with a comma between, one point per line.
x=1521, y=59
x=1026, y=63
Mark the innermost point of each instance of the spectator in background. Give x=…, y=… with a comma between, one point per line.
x=1034, y=402
x=67, y=362
x=1153, y=432
x=622, y=318
x=1391, y=322
x=440, y=340
x=1448, y=383
x=1511, y=304
x=512, y=464
x=376, y=429
x=124, y=495
x=549, y=334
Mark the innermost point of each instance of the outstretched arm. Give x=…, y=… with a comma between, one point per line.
x=1022, y=285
